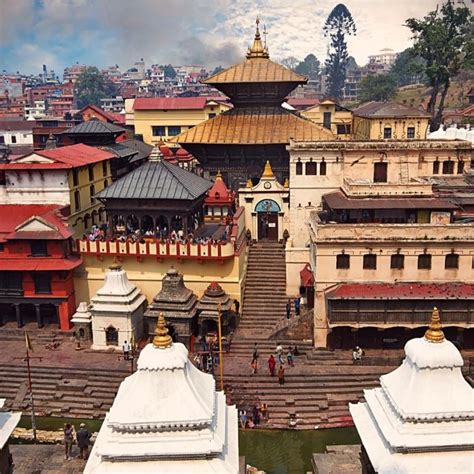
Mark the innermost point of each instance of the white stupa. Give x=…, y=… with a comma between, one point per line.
x=421, y=419
x=167, y=418
x=116, y=311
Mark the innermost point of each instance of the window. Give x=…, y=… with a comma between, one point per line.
x=2, y=139
x=387, y=132
x=42, y=283
x=327, y=120
x=92, y=191
x=460, y=167
x=211, y=116
x=299, y=167
x=106, y=183
x=380, y=172
x=448, y=167
x=174, y=130
x=370, y=261
x=411, y=132
x=397, y=261
x=11, y=283
x=77, y=200
x=158, y=131
x=2, y=247
x=451, y=261
x=104, y=168
x=436, y=166
x=424, y=261
x=75, y=177
x=343, y=129
x=310, y=168
x=39, y=248
x=13, y=138
x=3, y=178
x=91, y=172
x=322, y=168
x=342, y=261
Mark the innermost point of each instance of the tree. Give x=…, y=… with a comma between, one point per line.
x=445, y=40
x=310, y=67
x=290, y=62
x=170, y=72
x=408, y=68
x=91, y=86
x=381, y=88
x=338, y=24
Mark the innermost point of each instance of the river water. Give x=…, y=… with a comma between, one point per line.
x=273, y=451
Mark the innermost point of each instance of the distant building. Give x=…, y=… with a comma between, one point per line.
x=112, y=104
x=71, y=73
x=16, y=133
x=385, y=56
x=35, y=111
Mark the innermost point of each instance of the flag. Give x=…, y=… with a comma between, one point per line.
x=29, y=347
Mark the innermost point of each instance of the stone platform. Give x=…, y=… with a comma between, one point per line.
x=338, y=459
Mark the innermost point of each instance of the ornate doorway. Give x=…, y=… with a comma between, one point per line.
x=267, y=219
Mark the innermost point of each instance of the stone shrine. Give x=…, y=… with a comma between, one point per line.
x=167, y=418
x=117, y=311
x=421, y=419
x=178, y=304
x=82, y=320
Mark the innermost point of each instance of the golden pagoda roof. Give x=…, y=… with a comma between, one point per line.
x=254, y=126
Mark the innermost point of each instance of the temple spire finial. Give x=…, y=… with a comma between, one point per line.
x=219, y=175
x=162, y=339
x=268, y=171
x=258, y=49
x=435, y=332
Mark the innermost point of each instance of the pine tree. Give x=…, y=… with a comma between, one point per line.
x=338, y=24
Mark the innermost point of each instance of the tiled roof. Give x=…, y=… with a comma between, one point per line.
x=70, y=156
x=338, y=200
x=17, y=125
x=219, y=193
x=388, y=109
x=169, y=103
x=93, y=127
x=255, y=70
x=157, y=180
x=13, y=215
x=39, y=264
x=110, y=116
x=373, y=291
x=254, y=125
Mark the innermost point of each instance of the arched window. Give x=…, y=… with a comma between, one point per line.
x=310, y=168
x=448, y=167
x=111, y=336
x=322, y=168
x=299, y=167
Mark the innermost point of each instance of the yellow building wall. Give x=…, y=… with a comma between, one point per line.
x=87, y=205
x=373, y=128
x=340, y=117
x=148, y=274
x=144, y=120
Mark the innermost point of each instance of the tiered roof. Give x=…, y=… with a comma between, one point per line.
x=219, y=193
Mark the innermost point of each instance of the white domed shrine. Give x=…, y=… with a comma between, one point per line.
x=421, y=419
x=167, y=418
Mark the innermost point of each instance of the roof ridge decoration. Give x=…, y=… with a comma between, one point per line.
x=258, y=49
x=435, y=332
x=268, y=171
x=162, y=339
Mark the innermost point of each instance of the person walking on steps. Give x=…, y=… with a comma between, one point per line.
x=288, y=309
x=254, y=363
x=126, y=350
x=289, y=357
x=297, y=303
x=279, y=353
x=271, y=365
x=281, y=375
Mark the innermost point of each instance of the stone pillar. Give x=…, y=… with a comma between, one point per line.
x=64, y=320
x=320, y=336
x=39, y=319
x=19, y=319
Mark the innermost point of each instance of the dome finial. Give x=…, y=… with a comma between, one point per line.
x=219, y=175
x=162, y=339
x=257, y=50
x=268, y=171
x=435, y=333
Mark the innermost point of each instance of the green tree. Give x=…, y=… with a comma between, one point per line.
x=445, y=40
x=408, y=68
x=380, y=88
x=310, y=67
x=338, y=24
x=91, y=86
x=170, y=72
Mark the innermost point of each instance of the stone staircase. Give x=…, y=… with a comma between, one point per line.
x=264, y=299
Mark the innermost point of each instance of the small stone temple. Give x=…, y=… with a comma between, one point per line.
x=208, y=308
x=167, y=418
x=219, y=202
x=421, y=418
x=178, y=304
x=117, y=311
x=82, y=320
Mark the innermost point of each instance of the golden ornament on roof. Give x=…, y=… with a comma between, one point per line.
x=435, y=333
x=257, y=50
x=268, y=172
x=162, y=339
x=249, y=183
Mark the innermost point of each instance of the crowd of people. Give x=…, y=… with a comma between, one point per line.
x=258, y=413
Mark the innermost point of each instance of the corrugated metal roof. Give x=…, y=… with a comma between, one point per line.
x=93, y=127
x=388, y=109
x=255, y=70
x=142, y=148
x=157, y=180
x=373, y=291
x=254, y=125
x=119, y=150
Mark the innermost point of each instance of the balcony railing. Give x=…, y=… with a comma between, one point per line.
x=354, y=187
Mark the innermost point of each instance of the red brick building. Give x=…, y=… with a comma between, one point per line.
x=36, y=266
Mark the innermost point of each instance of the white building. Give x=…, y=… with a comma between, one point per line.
x=8, y=422
x=117, y=311
x=16, y=132
x=421, y=419
x=385, y=56
x=36, y=111
x=167, y=418
x=112, y=104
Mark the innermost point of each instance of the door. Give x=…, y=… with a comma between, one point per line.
x=272, y=226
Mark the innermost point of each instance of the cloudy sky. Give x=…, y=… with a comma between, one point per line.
x=210, y=32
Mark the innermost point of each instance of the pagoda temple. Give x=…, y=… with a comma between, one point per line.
x=240, y=140
x=421, y=419
x=167, y=418
x=219, y=202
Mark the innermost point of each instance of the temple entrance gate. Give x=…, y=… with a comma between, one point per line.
x=267, y=219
